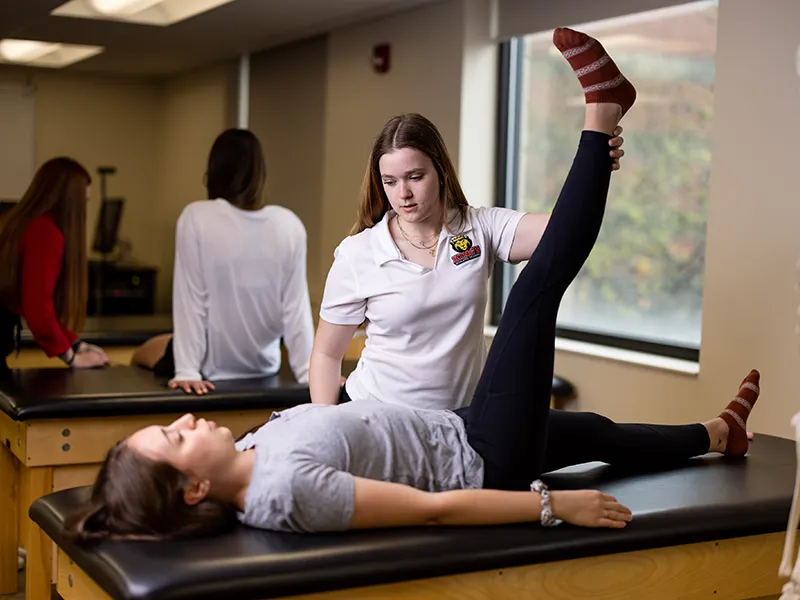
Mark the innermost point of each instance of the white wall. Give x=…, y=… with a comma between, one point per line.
x=749, y=309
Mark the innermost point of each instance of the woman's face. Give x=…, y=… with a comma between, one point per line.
x=411, y=184
x=195, y=447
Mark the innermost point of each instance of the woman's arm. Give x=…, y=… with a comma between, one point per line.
x=527, y=236
x=298, y=325
x=42, y=253
x=189, y=308
x=380, y=504
x=326, y=361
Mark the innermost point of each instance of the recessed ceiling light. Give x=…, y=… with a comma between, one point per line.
x=44, y=54
x=146, y=12
x=122, y=7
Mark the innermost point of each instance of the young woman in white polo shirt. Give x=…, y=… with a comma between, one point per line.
x=240, y=281
x=415, y=268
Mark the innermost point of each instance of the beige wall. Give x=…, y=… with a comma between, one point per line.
x=106, y=122
x=425, y=77
x=196, y=108
x=102, y=121
x=287, y=113
x=156, y=133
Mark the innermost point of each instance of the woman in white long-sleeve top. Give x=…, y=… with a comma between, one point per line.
x=239, y=284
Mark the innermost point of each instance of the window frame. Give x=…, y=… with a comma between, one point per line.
x=509, y=99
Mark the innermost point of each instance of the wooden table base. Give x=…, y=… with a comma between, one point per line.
x=734, y=569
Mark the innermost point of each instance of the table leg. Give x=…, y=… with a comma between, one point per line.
x=39, y=561
x=9, y=511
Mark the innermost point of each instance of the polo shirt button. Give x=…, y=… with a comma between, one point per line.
x=365, y=419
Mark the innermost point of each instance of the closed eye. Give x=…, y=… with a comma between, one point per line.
x=178, y=436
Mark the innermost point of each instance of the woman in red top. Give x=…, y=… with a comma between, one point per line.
x=43, y=265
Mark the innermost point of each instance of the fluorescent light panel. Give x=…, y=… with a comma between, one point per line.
x=146, y=12
x=51, y=55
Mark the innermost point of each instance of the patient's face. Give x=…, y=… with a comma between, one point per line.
x=195, y=447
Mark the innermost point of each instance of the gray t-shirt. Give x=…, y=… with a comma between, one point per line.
x=307, y=456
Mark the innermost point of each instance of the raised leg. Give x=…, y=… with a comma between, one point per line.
x=9, y=528
x=507, y=420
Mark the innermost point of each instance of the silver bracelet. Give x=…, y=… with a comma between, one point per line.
x=547, y=519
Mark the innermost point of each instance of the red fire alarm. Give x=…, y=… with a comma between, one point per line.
x=381, y=56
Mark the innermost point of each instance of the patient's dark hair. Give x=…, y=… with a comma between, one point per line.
x=236, y=169
x=137, y=498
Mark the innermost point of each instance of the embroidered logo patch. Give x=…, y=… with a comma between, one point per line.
x=461, y=243
x=464, y=249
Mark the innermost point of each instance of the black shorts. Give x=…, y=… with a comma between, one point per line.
x=165, y=367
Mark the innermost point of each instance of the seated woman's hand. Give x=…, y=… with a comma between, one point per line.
x=617, y=152
x=196, y=387
x=589, y=508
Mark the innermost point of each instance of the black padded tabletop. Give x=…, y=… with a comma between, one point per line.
x=71, y=393
x=709, y=498
x=119, y=330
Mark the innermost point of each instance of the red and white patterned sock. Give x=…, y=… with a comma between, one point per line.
x=597, y=73
x=736, y=413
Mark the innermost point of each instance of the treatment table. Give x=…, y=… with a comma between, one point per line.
x=56, y=426
x=710, y=528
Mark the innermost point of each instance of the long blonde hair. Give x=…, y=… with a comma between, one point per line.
x=408, y=131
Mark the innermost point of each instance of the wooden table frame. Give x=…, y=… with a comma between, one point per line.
x=733, y=569
x=43, y=456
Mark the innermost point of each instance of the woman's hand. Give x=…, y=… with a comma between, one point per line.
x=84, y=348
x=88, y=360
x=589, y=508
x=617, y=152
x=197, y=387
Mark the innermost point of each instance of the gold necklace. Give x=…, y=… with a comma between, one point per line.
x=431, y=249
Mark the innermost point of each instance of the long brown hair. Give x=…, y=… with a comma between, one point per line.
x=236, y=169
x=408, y=131
x=58, y=188
x=135, y=498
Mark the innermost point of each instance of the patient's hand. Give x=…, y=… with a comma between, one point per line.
x=589, y=508
x=197, y=387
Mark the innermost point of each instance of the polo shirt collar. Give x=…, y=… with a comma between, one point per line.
x=383, y=247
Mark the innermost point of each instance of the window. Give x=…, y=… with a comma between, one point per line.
x=642, y=286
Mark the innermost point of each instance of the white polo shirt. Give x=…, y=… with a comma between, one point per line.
x=425, y=343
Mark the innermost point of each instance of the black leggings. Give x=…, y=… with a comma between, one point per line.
x=509, y=422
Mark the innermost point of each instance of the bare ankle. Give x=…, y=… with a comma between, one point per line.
x=717, y=434
x=602, y=116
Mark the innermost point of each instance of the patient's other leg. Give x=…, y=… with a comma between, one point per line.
x=579, y=437
x=149, y=353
